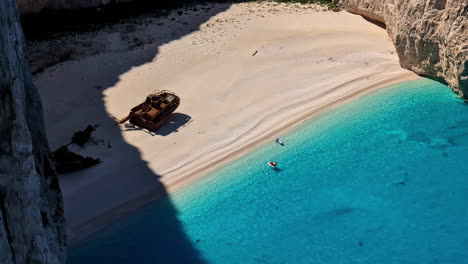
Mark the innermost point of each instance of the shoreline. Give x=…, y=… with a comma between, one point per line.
x=202, y=171
x=244, y=72
x=95, y=225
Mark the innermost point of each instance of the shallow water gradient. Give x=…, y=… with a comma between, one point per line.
x=383, y=179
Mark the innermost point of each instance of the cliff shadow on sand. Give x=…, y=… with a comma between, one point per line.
x=74, y=95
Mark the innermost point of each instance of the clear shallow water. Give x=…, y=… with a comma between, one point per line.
x=383, y=179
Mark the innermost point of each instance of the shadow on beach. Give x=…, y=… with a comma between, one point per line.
x=174, y=123
x=104, y=193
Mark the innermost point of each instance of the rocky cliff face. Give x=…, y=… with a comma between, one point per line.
x=430, y=36
x=35, y=6
x=32, y=227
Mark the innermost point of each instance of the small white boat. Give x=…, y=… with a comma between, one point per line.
x=272, y=164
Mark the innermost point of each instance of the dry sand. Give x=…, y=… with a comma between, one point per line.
x=306, y=59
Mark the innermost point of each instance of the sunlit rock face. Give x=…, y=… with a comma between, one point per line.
x=32, y=224
x=431, y=36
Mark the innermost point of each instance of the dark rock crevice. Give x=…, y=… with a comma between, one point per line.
x=6, y=226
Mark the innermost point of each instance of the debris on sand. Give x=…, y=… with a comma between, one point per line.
x=81, y=137
x=67, y=161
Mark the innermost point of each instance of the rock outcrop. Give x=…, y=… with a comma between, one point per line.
x=430, y=36
x=35, y=6
x=32, y=225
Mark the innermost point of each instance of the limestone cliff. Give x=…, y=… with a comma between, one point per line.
x=430, y=36
x=32, y=227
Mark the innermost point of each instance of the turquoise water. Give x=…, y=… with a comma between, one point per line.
x=381, y=180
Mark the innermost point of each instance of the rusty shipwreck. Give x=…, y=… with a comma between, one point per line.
x=154, y=111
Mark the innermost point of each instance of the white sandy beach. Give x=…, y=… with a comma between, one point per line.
x=306, y=60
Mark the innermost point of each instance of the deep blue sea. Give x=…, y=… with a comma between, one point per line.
x=383, y=179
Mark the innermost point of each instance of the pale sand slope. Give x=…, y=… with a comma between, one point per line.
x=306, y=60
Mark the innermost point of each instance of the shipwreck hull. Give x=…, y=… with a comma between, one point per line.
x=154, y=111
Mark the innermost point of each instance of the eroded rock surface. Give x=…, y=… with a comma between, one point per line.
x=32, y=225
x=430, y=36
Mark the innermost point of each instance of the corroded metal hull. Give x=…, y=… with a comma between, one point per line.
x=154, y=111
